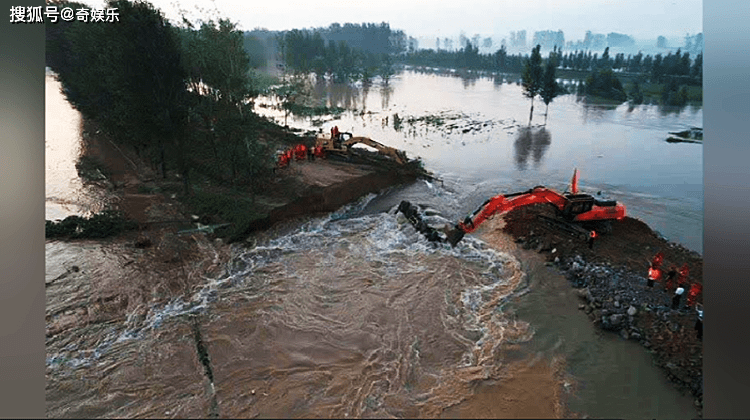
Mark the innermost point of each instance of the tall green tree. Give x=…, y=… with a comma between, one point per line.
x=531, y=79
x=636, y=95
x=550, y=88
x=220, y=78
x=604, y=61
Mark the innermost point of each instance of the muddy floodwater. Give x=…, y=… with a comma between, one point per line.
x=353, y=313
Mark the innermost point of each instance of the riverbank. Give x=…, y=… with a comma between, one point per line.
x=233, y=212
x=612, y=286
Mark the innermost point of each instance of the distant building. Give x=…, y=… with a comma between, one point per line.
x=549, y=39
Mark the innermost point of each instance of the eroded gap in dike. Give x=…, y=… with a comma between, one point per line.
x=202, y=351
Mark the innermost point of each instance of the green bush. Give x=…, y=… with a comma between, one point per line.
x=238, y=211
x=101, y=225
x=605, y=84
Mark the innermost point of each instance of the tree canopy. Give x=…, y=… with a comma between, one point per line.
x=169, y=93
x=532, y=77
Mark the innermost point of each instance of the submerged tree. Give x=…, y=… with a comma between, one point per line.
x=550, y=88
x=605, y=84
x=532, y=77
x=290, y=92
x=636, y=95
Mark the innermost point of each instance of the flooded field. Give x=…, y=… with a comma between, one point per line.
x=471, y=132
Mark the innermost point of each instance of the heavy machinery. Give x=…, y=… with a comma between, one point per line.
x=577, y=214
x=341, y=143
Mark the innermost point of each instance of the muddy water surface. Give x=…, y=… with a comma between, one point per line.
x=349, y=315
x=369, y=320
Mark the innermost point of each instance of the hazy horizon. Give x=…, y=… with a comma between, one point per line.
x=640, y=19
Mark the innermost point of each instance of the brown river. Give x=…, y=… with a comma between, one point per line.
x=353, y=314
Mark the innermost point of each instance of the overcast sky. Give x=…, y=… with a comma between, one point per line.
x=642, y=19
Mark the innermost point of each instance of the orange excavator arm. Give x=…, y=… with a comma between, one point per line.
x=396, y=154
x=500, y=204
x=573, y=209
x=506, y=202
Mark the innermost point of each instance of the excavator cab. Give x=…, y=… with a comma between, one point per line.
x=340, y=138
x=577, y=204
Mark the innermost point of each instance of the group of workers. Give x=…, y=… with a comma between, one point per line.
x=681, y=275
x=655, y=274
x=299, y=152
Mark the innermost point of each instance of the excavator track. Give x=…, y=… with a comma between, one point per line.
x=558, y=225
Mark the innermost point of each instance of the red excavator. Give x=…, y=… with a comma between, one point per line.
x=577, y=214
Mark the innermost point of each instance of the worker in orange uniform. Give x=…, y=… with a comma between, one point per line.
x=695, y=290
x=654, y=269
x=592, y=236
x=335, y=132
x=658, y=259
x=654, y=274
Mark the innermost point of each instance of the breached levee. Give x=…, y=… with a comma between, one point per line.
x=327, y=195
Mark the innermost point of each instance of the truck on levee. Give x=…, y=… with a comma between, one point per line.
x=581, y=215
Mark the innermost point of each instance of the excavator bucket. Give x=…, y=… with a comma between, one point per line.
x=454, y=236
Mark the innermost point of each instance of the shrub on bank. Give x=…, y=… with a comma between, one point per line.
x=239, y=212
x=101, y=225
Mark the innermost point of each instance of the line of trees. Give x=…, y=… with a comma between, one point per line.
x=467, y=57
x=657, y=68
x=348, y=52
x=180, y=97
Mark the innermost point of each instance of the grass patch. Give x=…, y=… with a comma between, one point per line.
x=237, y=210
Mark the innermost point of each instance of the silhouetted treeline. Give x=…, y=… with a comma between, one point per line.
x=343, y=52
x=657, y=69
x=467, y=58
x=367, y=37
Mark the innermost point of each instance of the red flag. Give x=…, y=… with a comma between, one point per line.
x=574, y=182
